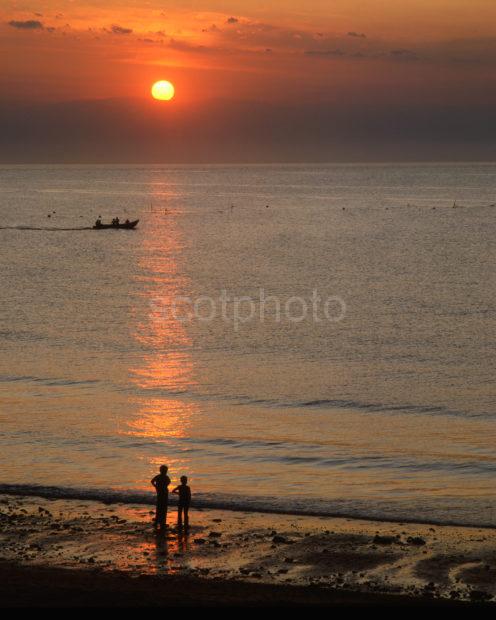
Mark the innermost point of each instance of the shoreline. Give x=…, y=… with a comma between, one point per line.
x=142, y=498
x=338, y=557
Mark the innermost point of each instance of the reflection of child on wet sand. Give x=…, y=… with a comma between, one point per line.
x=184, y=502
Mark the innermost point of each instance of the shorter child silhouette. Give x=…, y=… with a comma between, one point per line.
x=184, y=502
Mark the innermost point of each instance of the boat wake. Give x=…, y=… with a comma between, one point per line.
x=44, y=228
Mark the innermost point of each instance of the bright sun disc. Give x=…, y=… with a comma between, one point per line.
x=163, y=90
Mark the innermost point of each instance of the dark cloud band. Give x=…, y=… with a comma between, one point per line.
x=29, y=24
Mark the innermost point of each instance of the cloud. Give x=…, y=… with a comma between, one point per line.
x=116, y=29
x=336, y=52
x=232, y=20
x=184, y=46
x=404, y=54
x=398, y=54
x=358, y=35
x=29, y=24
x=261, y=35
x=212, y=28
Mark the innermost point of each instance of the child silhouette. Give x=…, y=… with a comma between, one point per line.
x=161, y=484
x=184, y=502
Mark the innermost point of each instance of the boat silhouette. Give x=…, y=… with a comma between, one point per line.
x=123, y=226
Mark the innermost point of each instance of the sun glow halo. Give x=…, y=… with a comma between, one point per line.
x=163, y=90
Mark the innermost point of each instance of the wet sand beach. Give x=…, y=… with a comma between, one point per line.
x=69, y=552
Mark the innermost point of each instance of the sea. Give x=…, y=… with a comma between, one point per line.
x=307, y=339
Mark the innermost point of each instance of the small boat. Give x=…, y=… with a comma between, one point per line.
x=120, y=226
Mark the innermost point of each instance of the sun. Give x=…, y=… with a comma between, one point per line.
x=163, y=90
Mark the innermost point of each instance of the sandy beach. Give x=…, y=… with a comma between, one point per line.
x=71, y=552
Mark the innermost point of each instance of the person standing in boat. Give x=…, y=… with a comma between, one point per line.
x=98, y=223
x=161, y=483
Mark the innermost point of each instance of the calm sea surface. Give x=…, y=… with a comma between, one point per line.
x=105, y=374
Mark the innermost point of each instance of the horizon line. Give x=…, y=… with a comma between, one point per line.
x=385, y=162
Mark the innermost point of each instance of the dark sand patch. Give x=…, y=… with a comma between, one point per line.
x=481, y=575
x=342, y=561
x=437, y=568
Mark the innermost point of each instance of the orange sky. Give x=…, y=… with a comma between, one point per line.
x=256, y=80
x=312, y=50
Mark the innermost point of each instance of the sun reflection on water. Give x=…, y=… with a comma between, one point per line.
x=165, y=368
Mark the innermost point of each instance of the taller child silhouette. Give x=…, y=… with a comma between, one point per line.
x=161, y=484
